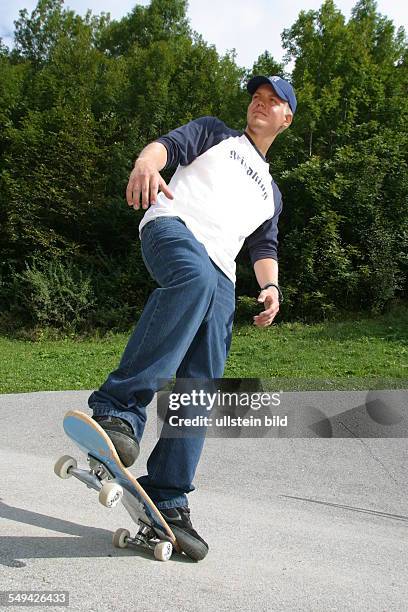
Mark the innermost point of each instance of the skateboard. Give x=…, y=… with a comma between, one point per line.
x=115, y=483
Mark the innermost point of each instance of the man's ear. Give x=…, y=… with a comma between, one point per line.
x=288, y=120
x=286, y=123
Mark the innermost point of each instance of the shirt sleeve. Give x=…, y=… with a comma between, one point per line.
x=189, y=141
x=263, y=242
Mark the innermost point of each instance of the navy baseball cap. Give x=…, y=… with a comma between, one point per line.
x=283, y=88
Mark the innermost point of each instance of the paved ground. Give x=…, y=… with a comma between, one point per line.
x=293, y=524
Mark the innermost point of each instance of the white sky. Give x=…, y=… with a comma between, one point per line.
x=249, y=27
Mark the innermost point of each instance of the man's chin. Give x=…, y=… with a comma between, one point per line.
x=258, y=120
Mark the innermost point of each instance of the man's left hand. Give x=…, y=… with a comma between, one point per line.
x=270, y=298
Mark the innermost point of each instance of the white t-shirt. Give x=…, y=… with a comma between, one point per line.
x=223, y=192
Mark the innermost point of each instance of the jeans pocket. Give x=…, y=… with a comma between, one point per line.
x=155, y=234
x=150, y=271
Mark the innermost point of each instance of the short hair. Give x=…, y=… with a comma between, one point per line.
x=288, y=110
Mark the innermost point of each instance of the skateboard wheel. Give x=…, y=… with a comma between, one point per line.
x=120, y=538
x=110, y=494
x=63, y=465
x=163, y=551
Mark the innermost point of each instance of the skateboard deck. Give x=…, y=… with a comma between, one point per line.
x=115, y=483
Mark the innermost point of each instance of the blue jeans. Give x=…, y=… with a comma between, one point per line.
x=185, y=330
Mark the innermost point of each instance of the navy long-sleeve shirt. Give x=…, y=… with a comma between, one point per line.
x=223, y=191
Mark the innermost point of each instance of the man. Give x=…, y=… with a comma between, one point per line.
x=220, y=195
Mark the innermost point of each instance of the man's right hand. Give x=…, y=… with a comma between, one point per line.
x=145, y=180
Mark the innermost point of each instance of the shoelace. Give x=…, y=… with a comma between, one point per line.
x=116, y=421
x=186, y=511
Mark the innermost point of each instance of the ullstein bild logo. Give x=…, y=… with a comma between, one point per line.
x=227, y=421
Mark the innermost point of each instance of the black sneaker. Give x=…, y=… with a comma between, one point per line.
x=122, y=435
x=190, y=542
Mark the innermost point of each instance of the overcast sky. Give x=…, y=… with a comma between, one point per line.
x=249, y=27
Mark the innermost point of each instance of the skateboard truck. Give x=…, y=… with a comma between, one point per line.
x=99, y=478
x=144, y=538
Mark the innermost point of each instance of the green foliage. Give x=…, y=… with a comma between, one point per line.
x=121, y=287
x=347, y=235
x=54, y=293
x=81, y=96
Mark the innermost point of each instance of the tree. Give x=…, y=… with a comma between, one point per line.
x=81, y=96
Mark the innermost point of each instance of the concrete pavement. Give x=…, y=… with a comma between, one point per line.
x=309, y=524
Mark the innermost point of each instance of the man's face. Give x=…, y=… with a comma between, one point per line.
x=266, y=111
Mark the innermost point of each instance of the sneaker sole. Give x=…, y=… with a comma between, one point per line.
x=193, y=548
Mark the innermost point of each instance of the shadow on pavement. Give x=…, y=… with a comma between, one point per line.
x=89, y=541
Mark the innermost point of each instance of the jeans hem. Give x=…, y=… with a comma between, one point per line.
x=177, y=502
x=121, y=414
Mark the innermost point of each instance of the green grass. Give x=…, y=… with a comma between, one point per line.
x=345, y=355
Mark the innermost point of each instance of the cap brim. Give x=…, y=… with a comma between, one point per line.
x=254, y=83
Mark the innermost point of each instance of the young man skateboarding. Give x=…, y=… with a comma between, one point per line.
x=220, y=195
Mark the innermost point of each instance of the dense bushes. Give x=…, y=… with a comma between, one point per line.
x=98, y=293
x=80, y=97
